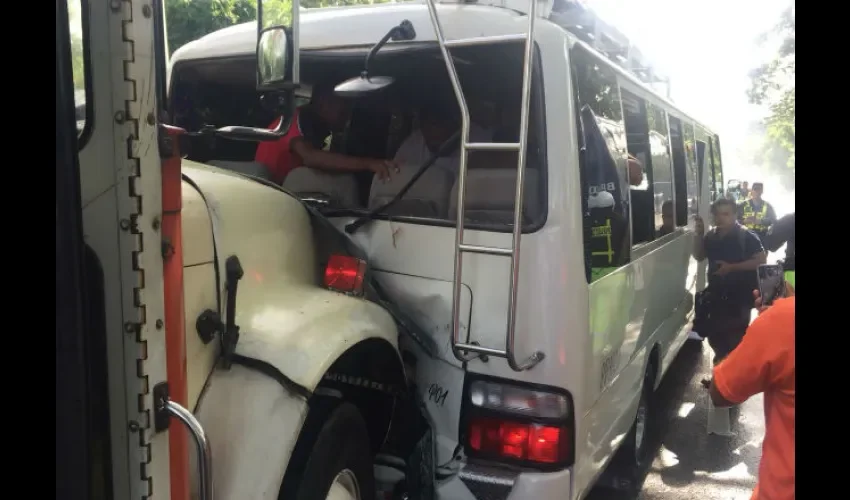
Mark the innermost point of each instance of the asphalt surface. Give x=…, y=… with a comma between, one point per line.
x=689, y=463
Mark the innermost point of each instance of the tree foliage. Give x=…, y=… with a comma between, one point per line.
x=188, y=20
x=77, y=65
x=773, y=86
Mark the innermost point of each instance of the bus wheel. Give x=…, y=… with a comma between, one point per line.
x=640, y=429
x=625, y=472
x=338, y=462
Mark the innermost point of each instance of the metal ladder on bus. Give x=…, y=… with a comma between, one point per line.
x=460, y=349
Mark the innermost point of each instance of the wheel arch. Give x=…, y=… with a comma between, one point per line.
x=369, y=375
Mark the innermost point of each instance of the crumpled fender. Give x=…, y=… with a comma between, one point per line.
x=286, y=320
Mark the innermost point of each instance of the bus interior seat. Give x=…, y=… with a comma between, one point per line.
x=339, y=189
x=401, y=126
x=427, y=197
x=252, y=168
x=491, y=188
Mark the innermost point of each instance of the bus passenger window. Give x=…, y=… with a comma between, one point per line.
x=677, y=146
x=605, y=179
x=718, y=168
x=640, y=168
x=661, y=171
x=78, y=63
x=704, y=165
x=691, y=170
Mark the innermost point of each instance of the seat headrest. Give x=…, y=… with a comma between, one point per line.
x=432, y=189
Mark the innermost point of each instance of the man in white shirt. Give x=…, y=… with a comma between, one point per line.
x=437, y=122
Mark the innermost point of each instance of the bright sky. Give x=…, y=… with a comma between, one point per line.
x=707, y=49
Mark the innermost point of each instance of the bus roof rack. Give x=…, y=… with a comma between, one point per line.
x=581, y=21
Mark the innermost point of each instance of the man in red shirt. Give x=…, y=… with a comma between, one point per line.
x=308, y=138
x=764, y=361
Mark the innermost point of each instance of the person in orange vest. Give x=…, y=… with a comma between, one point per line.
x=765, y=362
x=307, y=142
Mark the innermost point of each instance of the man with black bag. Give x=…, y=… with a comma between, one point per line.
x=722, y=310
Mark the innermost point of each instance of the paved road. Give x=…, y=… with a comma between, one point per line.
x=689, y=463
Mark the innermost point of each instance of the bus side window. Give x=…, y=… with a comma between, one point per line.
x=704, y=162
x=718, y=167
x=641, y=184
x=661, y=173
x=604, y=177
x=680, y=167
x=79, y=59
x=705, y=158
x=691, y=170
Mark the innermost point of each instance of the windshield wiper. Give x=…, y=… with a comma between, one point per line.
x=444, y=148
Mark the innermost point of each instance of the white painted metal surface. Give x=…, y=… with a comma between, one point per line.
x=253, y=425
x=285, y=317
x=120, y=174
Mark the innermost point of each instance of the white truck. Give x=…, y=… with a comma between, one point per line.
x=450, y=334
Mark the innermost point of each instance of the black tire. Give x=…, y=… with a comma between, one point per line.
x=624, y=474
x=637, y=445
x=336, y=445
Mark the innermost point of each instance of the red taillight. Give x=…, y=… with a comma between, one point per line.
x=521, y=441
x=345, y=274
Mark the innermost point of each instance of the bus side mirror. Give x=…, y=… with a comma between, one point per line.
x=274, y=59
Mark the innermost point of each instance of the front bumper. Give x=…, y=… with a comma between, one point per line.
x=480, y=482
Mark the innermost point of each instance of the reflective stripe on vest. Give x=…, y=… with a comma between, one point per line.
x=604, y=231
x=759, y=217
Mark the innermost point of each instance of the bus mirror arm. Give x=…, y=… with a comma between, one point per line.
x=365, y=84
x=251, y=134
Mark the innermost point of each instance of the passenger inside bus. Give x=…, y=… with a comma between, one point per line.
x=643, y=207
x=308, y=141
x=438, y=120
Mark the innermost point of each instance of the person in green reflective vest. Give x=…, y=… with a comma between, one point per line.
x=756, y=213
